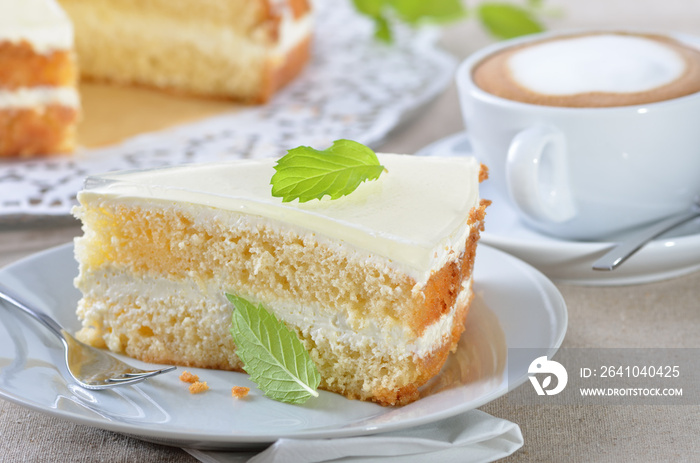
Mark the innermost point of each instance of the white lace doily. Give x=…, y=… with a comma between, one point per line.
x=354, y=87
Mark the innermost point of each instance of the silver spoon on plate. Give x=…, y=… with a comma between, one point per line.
x=623, y=250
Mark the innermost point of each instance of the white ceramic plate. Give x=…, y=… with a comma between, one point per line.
x=673, y=254
x=514, y=306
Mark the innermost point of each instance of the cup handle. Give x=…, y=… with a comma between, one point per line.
x=537, y=175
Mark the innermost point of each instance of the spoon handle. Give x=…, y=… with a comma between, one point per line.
x=619, y=253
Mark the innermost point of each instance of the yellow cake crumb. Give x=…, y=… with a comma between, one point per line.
x=198, y=387
x=239, y=391
x=188, y=377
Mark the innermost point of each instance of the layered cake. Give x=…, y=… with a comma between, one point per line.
x=239, y=49
x=39, y=103
x=376, y=284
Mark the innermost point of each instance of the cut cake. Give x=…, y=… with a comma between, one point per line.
x=39, y=103
x=239, y=49
x=376, y=284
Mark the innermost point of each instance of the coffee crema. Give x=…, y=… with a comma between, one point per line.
x=592, y=70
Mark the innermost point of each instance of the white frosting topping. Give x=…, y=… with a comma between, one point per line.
x=29, y=97
x=415, y=214
x=598, y=63
x=42, y=23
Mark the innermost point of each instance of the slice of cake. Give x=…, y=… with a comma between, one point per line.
x=239, y=49
x=376, y=284
x=39, y=103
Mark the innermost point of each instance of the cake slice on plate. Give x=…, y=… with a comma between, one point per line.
x=376, y=284
x=39, y=102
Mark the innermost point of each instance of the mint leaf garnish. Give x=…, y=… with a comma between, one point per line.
x=412, y=12
x=305, y=173
x=502, y=20
x=506, y=21
x=416, y=11
x=272, y=354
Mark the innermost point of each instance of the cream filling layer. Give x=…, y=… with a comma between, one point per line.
x=42, y=23
x=396, y=343
x=30, y=97
x=293, y=31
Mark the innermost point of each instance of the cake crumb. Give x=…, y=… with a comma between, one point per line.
x=188, y=377
x=197, y=387
x=239, y=391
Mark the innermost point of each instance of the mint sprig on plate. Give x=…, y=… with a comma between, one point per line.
x=305, y=173
x=272, y=354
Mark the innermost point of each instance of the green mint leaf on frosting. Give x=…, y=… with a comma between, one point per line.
x=272, y=354
x=305, y=173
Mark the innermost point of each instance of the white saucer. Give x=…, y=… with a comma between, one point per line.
x=673, y=254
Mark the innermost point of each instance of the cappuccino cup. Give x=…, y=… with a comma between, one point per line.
x=587, y=134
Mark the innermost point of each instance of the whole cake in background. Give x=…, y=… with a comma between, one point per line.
x=39, y=102
x=376, y=284
x=239, y=49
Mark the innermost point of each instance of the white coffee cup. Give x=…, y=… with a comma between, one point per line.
x=584, y=173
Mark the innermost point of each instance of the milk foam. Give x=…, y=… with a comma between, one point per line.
x=601, y=63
